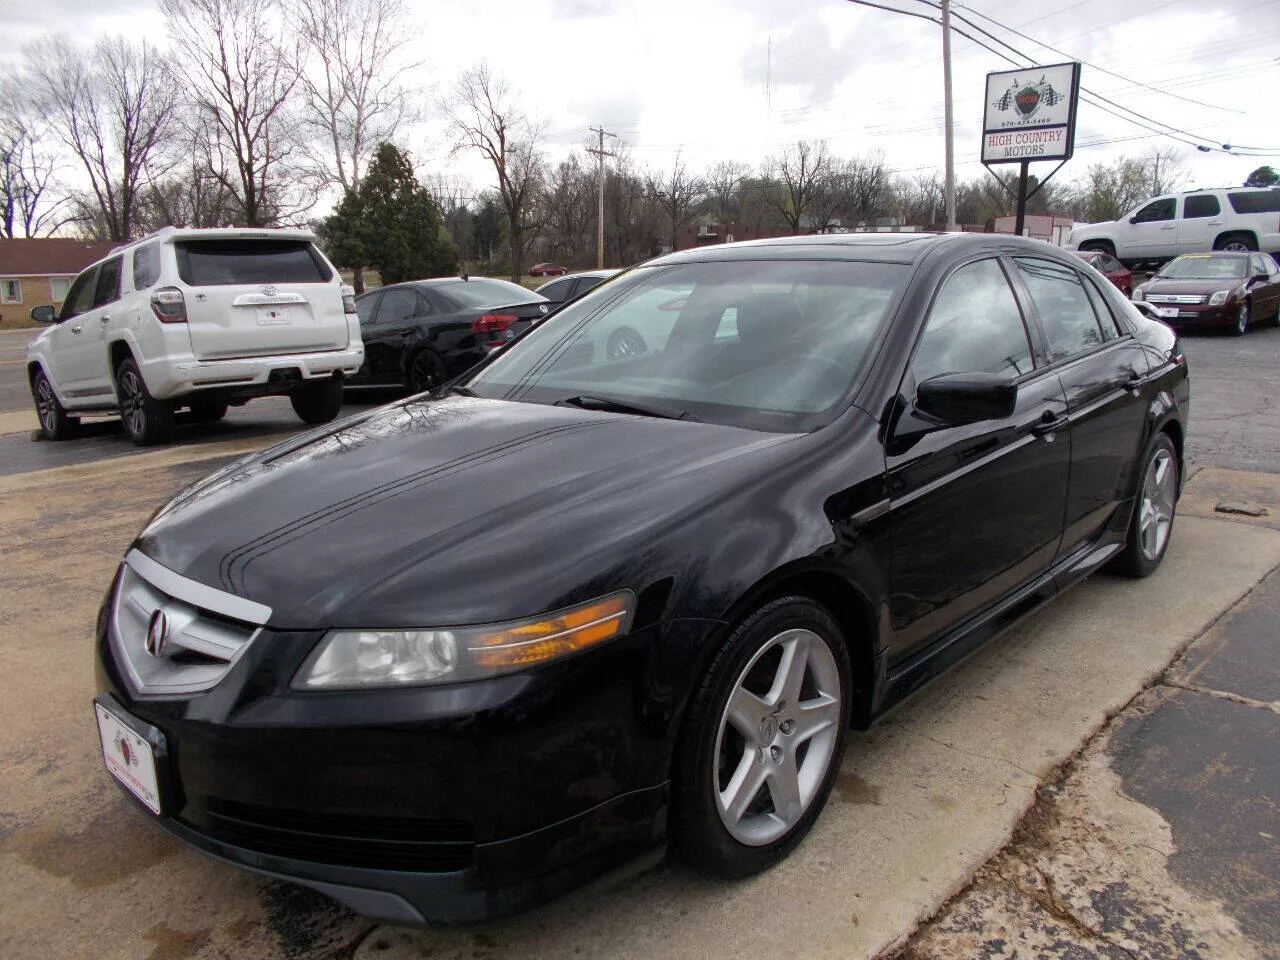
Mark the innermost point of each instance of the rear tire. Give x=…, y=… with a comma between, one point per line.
x=762, y=740
x=55, y=424
x=1151, y=526
x=146, y=420
x=425, y=371
x=208, y=411
x=318, y=401
x=1239, y=242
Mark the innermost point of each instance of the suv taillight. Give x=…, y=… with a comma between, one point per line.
x=491, y=326
x=168, y=306
x=348, y=303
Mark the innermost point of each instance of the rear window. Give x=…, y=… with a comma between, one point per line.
x=487, y=293
x=219, y=263
x=1255, y=201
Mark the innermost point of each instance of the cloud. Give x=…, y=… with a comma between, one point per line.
x=582, y=9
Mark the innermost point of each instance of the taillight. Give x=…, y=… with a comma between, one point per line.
x=168, y=306
x=492, y=328
x=348, y=303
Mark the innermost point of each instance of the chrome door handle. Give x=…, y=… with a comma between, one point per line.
x=77, y=329
x=1214, y=223
x=1048, y=425
x=1170, y=227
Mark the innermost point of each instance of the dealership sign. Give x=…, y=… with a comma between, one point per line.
x=1031, y=114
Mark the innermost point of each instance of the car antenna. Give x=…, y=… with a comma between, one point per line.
x=463, y=275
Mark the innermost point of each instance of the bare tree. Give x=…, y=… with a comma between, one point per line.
x=27, y=166
x=724, y=189
x=799, y=173
x=351, y=81
x=1167, y=170
x=113, y=109
x=240, y=74
x=677, y=192
x=485, y=116
x=570, y=202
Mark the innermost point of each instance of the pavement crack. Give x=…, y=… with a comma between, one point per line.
x=973, y=753
x=1271, y=706
x=1052, y=903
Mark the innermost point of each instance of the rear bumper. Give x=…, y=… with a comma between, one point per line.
x=171, y=377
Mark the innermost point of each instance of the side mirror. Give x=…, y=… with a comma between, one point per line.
x=1262, y=277
x=958, y=398
x=44, y=314
x=1134, y=220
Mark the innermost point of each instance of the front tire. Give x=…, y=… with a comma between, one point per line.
x=146, y=420
x=1102, y=246
x=1151, y=527
x=55, y=424
x=762, y=740
x=1242, y=319
x=317, y=401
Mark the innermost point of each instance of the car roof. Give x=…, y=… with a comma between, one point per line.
x=879, y=247
x=591, y=273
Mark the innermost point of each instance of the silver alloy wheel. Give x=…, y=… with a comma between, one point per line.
x=775, y=742
x=131, y=403
x=1237, y=246
x=46, y=405
x=1242, y=317
x=626, y=344
x=1159, y=489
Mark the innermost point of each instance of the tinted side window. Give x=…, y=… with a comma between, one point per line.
x=975, y=327
x=1156, y=210
x=1111, y=265
x=108, y=289
x=1068, y=319
x=1110, y=327
x=1201, y=205
x=398, y=303
x=558, y=292
x=146, y=266
x=1255, y=201
x=364, y=308
x=80, y=297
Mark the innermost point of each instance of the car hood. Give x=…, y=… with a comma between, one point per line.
x=1203, y=287
x=461, y=510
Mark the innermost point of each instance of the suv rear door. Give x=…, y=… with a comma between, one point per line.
x=259, y=296
x=1199, y=223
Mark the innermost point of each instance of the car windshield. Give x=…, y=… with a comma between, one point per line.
x=487, y=293
x=1205, y=268
x=764, y=345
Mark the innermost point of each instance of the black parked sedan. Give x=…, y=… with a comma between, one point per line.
x=456, y=655
x=420, y=334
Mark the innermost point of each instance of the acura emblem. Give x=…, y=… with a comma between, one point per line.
x=269, y=290
x=157, y=634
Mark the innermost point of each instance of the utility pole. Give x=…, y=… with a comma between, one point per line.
x=950, y=184
x=601, y=153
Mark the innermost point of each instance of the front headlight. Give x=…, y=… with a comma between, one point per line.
x=358, y=659
x=1219, y=298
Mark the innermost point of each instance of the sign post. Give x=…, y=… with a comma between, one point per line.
x=1030, y=115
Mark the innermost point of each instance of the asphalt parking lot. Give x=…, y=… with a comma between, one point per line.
x=961, y=809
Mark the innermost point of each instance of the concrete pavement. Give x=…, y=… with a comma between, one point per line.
x=923, y=799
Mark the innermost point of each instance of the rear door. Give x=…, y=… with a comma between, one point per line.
x=1199, y=223
x=976, y=509
x=259, y=296
x=1102, y=369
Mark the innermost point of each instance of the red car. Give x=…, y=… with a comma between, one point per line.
x=1109, y=267
x=547, y=270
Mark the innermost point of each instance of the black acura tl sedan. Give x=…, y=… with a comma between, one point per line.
x=454, y=656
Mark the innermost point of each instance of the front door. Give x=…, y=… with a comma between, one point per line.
x=976, y=510
x=396, y=328
x=1152, y=232
x=1102, y=369
x=75, y=341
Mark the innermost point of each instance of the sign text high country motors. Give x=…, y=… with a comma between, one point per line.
x=1031, y=114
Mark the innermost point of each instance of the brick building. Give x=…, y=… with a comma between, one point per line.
x=39, y=270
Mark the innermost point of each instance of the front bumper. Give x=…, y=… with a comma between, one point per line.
x=455, y=804
x=1195, y=315
x=169, y=377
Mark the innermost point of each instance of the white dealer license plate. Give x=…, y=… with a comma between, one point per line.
x=129, y=758
x=1167, y=311
x=274, y=316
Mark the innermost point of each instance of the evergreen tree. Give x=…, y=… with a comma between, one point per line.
x=1263, y=177
x=391, y=223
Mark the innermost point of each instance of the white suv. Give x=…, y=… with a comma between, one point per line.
x=1244, y=218
x=198, y=319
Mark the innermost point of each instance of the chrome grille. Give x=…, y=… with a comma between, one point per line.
x=1175, y=298
x=208, y=629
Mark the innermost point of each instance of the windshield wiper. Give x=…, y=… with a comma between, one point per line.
x=460, y=390
x=626, y=406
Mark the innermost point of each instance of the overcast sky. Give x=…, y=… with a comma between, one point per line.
x=720, y=79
